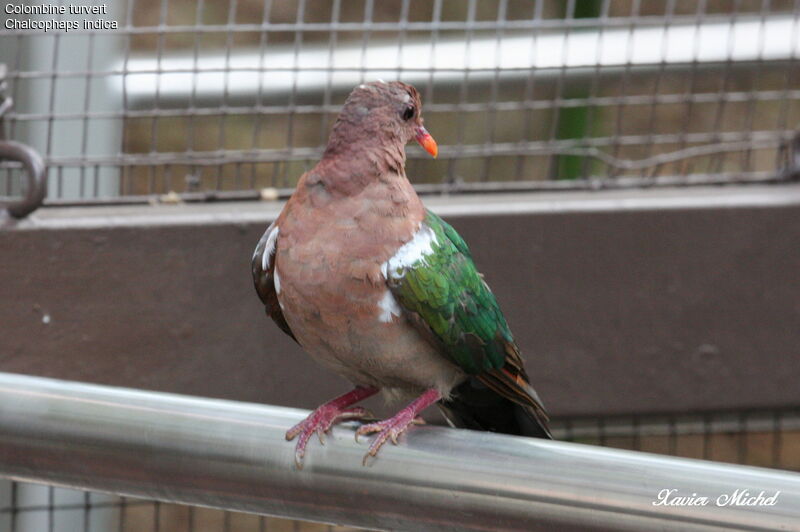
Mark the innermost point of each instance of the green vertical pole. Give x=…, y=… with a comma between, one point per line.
x=573, y=121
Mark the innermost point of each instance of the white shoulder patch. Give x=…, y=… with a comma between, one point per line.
x=388, y=307
x=276, y=280
x=410, y=253
x=269, y=246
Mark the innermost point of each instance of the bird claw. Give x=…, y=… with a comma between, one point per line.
x=319, y=422
x=298, y=458
x=388, y=429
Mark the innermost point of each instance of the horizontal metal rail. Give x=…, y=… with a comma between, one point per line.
x=723, y=142
x=440, y=25
x=234, y=456
x=284, y=68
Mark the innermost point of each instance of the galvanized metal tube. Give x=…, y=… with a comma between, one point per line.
x=234, y=456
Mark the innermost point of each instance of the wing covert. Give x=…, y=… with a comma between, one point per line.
x=434, y=277
x=435, y=281
x=264, y=277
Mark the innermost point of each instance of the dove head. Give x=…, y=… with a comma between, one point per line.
x=380, y=115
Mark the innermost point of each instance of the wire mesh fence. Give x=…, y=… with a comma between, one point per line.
x=47, y=508
x=765, y=438
x=223, y=99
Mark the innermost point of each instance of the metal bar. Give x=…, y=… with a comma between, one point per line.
x=481, y=57
x=421, y=26
x=753, y=139
x=234, y=456
x=446, y=189
x=528, y=104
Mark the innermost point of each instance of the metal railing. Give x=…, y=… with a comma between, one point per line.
x=234, y=456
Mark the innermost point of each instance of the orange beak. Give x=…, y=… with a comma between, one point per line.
x=426, y=141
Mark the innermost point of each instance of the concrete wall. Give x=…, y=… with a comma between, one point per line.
x=622, y=301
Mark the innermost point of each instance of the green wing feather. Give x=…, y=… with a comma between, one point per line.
x=445, y=296
x=446, y=291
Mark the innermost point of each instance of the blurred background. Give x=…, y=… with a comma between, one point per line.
x=198, y=96
x=622, y=169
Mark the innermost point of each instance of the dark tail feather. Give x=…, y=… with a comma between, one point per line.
x=475, y=406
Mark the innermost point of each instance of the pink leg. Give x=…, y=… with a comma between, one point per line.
x=395, y=426
x=324, y=417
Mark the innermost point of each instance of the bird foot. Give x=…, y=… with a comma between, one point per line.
x=320, y=421
x=387, y=429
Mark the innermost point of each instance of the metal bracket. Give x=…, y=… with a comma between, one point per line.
x=30, y=159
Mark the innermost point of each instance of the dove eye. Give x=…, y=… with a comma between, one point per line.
x=408, y=113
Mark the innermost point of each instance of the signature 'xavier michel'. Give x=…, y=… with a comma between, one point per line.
x=383, y=292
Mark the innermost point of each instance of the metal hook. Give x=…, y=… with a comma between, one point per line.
x=31, y=161
x=36, y=171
